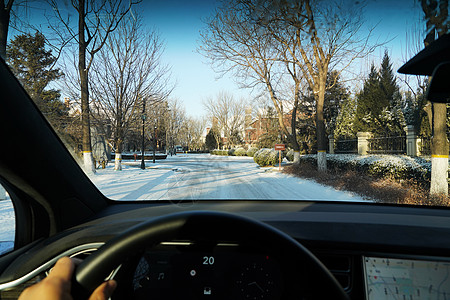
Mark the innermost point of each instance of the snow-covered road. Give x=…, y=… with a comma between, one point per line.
x=194, y=177
x=204, y=176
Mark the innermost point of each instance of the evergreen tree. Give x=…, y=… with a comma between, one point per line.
x=32, y=65
x=379, y=107
x=345, y=121
x=335, y=97
x=388, y=81
x=370, y=102
x=391, y=93
x=211, y=140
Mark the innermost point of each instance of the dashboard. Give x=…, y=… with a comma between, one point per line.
x=374, y=251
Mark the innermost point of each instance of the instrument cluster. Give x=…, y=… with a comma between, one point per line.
x=224, y=271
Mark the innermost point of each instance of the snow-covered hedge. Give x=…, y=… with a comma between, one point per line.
x=219, y=152
x=392, y=166
x=230, y=152
x=266, y=157
x=240, y=152
x=251, y=151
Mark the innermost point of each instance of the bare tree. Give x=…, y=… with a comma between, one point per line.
x=176, y=119
x=269, y=40
x=127, y=72
x=235, y=42
x=314, y=38
x=96, y=21
x=230, y=115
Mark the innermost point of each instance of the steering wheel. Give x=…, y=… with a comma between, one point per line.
x=200, y=225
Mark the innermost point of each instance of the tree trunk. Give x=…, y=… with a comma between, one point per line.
x=439, y=150
x=118, y=156
x=85, y=114
x=4, y=25
x=320, y=131
x=437, y=114
x=293, y=135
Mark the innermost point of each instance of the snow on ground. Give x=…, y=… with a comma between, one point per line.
x=204, y=176
x=7, y=225
x=193, y=177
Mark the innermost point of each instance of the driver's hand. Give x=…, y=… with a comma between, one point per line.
x=57, y=285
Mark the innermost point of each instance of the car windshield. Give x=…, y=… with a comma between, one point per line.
x=241, y=99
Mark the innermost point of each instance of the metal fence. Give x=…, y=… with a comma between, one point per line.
x=388, y=145
x=346, y=146
x=425, y=144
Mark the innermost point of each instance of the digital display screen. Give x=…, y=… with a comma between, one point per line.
x=391, y=278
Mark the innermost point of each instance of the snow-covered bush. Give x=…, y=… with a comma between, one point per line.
x=290, y=155
x=240, y=152
x=388, y=166
x=251, y=151
x=266, y=157
x=218, y=152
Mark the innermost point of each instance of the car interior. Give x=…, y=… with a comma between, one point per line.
x=212, y=249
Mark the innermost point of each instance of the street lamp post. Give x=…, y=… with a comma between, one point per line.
x=154, y=146
x=143, y=117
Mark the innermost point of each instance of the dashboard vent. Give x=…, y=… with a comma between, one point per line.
x=340, y=266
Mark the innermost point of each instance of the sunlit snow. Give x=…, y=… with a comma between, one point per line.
x=193, y=177
x=204, y=176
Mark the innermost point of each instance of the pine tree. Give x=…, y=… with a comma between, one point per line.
x=335, y=97
x=380, y=103
x=211, y=140
x=388, y=81
x=32, y=65
x=345, y=121
x=370, y=102
x=391, y=94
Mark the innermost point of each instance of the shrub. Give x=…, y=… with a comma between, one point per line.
x=251, y=151
x=266, y=157
x=219, y=152
x=384, y=166
x=290, y=155
x=231, y=152
x=240, y=152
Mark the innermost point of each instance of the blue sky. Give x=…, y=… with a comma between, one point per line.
x=179, y=23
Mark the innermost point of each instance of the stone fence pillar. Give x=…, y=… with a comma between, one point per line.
x=331, y=144
x=363, y=143
x=412, y=142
